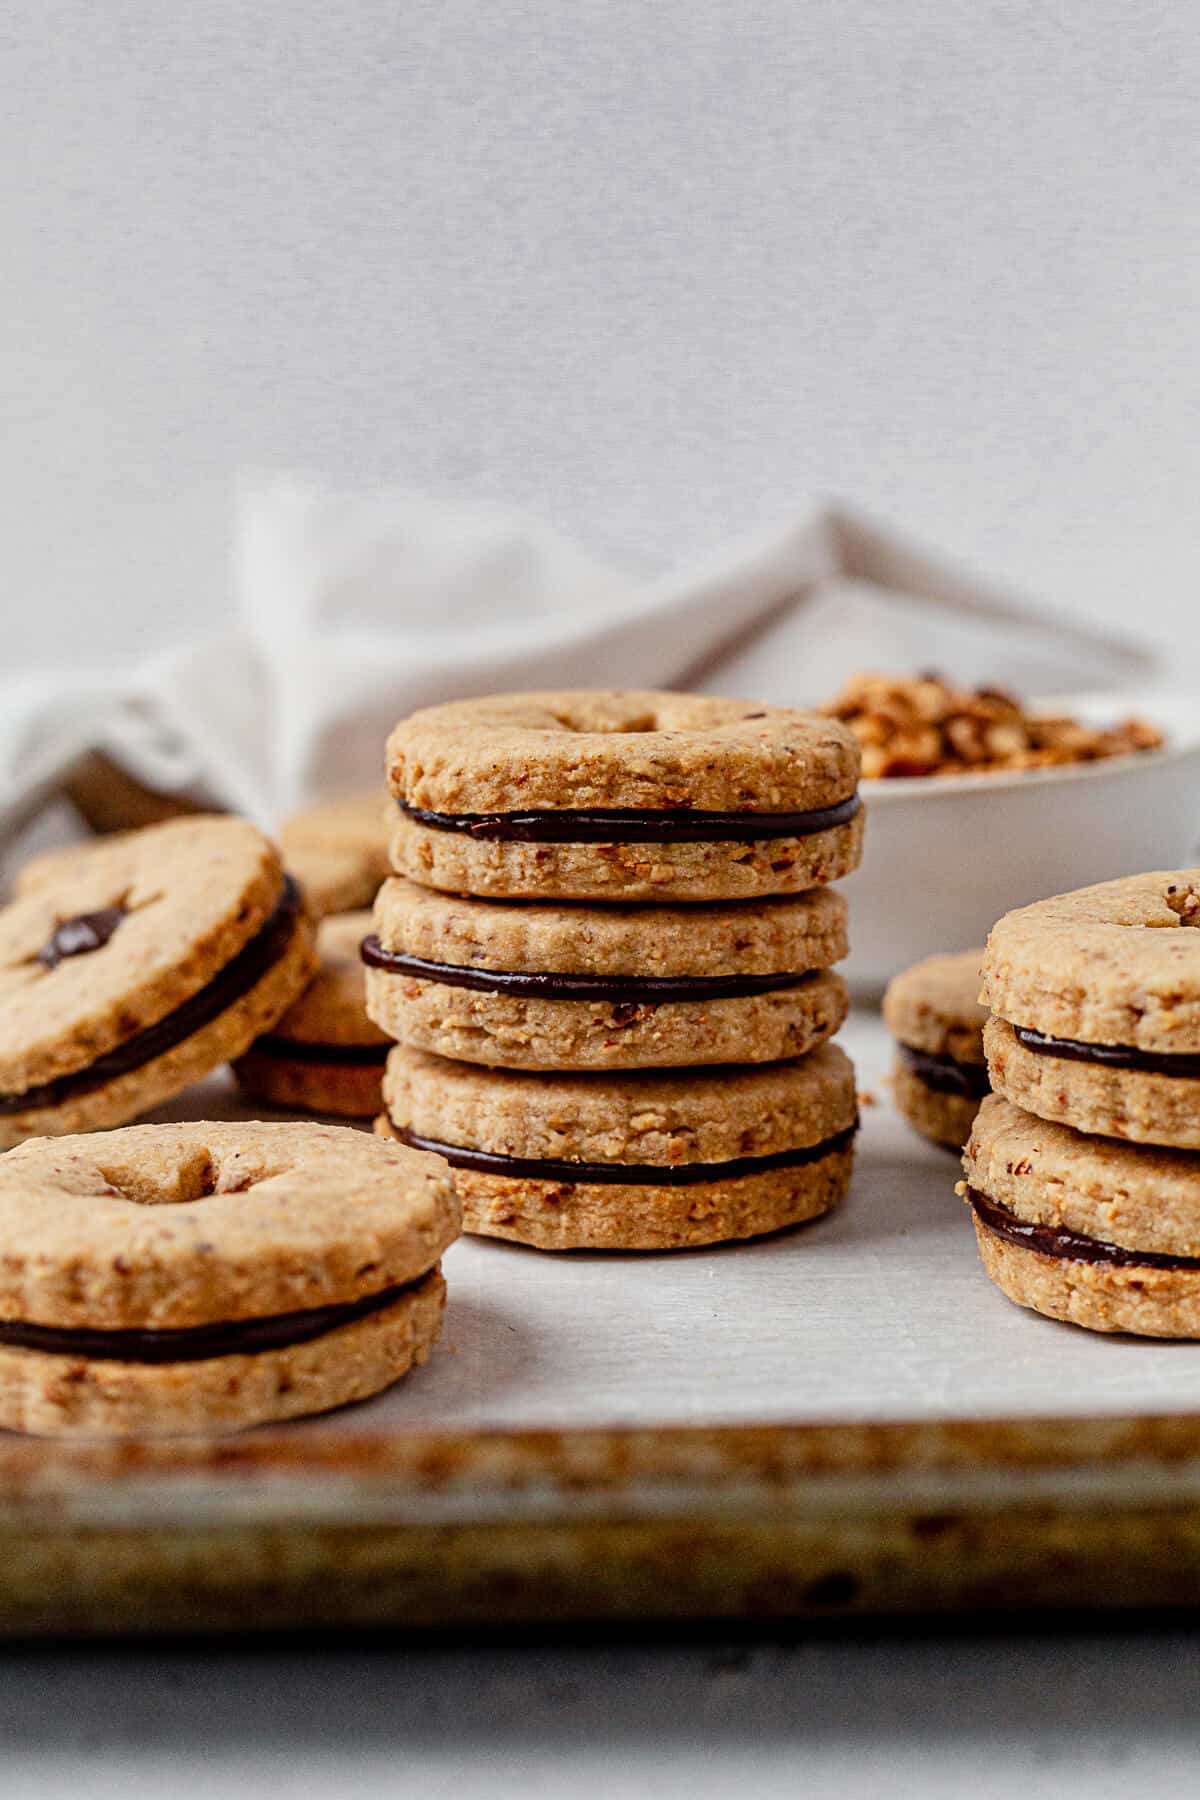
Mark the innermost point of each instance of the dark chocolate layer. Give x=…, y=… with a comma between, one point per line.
x=238, y=976
x=1185, y=1064
x=195, y=1343
x=80, y=935
x=526, y=1168
x=345, y=1055
x=632, y=825
x=627, y=990
x=1056, y=1240
x=947, y=1075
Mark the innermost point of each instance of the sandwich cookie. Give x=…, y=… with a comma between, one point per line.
x=643, y=1161
x=325, y=1054
x=180, y=1278
x=623, y=796
x=1103, y=1234
x=623, y=987
x=152, y=961
x=338, y=851
x=940, y=1074
x=1096, y=997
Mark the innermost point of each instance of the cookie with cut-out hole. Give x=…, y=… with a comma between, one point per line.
x=623, y=796
x=648, y=1160
x=590, y=987
x=1095, y=998
x=939, y=1076
x=324, y=1054
x=1087, y=1229
x=141, y=968
x=166, y=1279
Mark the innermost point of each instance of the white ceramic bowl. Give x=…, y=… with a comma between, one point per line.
x=946, y=855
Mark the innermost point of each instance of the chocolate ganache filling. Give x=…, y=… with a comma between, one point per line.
x=947, y=1075
x=1072, y=1246
x=487, y=1162
x=636, y=825
x=196, y=1343
x=1181, y=1063
x=618, y=989
x=80, y=935
x=238, y=976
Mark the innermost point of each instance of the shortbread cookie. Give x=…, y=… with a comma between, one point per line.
x=623, y=796
x=137, y=971
x=1103, y=1234
x=167, y=1279
x=644, y=1161
x=1097, y=1003
x=940, y=1075
x=587, y=987
x=332, y=881
x=325, y=1054
x=338, y=851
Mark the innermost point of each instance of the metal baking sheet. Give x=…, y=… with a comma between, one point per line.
x=845, y=1416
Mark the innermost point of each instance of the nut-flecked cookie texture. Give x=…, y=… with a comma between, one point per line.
x=325, y=1054
x=177, y=1278
x=623, y=796
x=641, y=1161
x=154, y=960
x=1102, y=1234
x=1097, y=1003
x=575, y=987
x=940, y=1075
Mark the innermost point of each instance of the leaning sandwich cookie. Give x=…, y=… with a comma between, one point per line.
x=557, y=986
x=166, y=1279
x=324, y=1054
x=623, y=796
x=144, y=967
x=940, y=1074
x=1095, y=997
x=638, y=1161
x=1100, y=1233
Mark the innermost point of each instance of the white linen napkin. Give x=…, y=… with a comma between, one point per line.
x=355, y=607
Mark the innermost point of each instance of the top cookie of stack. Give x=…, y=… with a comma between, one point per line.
x=531, y=832
x=623, y=796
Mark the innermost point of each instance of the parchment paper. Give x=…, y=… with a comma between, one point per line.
x=879, y=1312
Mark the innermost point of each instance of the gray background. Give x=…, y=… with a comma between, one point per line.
x=660, y=271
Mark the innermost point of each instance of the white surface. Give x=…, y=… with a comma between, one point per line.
x=879, y=1311
x=655, y=271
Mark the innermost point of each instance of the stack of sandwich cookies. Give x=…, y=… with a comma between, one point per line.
x=645, y=1161
x=602, y=1072
x=324, y=1054
x=140, y=968
x=170, y=1279
x=1084, y=1174
x=940, y=1073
